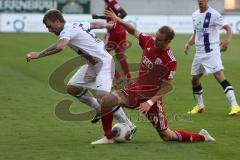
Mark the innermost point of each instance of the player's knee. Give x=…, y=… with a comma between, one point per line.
x=109, y=100
x=73, y=90
x=165, y=138
x=219, y=76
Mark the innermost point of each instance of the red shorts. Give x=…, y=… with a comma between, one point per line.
x=156, y=115
x=137, y=94
x=116, y=41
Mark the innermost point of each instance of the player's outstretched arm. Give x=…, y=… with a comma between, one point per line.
x=130, y=28
x=101, y=25
x=53, y=49
x=225, y=43
x=189, y=43
x=122, y=14
x=98, y=16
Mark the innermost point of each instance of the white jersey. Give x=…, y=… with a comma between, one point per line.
x=85, y=43
x=207, y=26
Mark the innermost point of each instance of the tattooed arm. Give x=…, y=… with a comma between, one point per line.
x=101, y=25
x=53, y=49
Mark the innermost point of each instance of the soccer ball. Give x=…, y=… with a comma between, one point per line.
x=121, y=132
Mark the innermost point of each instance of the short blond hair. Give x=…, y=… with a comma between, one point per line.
x=53, y=15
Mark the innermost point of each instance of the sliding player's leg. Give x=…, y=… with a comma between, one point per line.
x=157, y=117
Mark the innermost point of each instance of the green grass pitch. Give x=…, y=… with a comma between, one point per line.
x=29, y=129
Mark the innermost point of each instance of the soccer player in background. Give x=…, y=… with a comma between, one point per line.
x=115, y=40
x=207, y=23
x=97, y=73
x=157, y=69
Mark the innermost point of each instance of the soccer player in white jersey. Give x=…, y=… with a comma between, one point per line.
x=207, y=23
x=97, y=73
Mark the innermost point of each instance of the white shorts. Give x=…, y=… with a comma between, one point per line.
x=207, y=65
x=94, y=77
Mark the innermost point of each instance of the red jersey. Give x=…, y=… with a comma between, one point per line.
x=114, y=5
x=155, y=65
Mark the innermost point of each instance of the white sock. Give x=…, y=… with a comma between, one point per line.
x=199, y=100
x=197, y=93
x=231, y=97
x=120, y=116
x=89, y=100
x=228, y=90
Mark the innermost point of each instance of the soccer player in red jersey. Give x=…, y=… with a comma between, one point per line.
x=115, y=39
x=158, y=66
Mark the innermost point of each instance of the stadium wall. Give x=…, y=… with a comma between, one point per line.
x=145, y=23
x=161, y=7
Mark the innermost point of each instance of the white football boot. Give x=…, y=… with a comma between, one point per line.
x=103, y=140
x=206, y=135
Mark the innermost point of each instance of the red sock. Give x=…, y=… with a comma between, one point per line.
x=107, y=118
x=121, y=57
x=184, y=136
x=124, y=64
